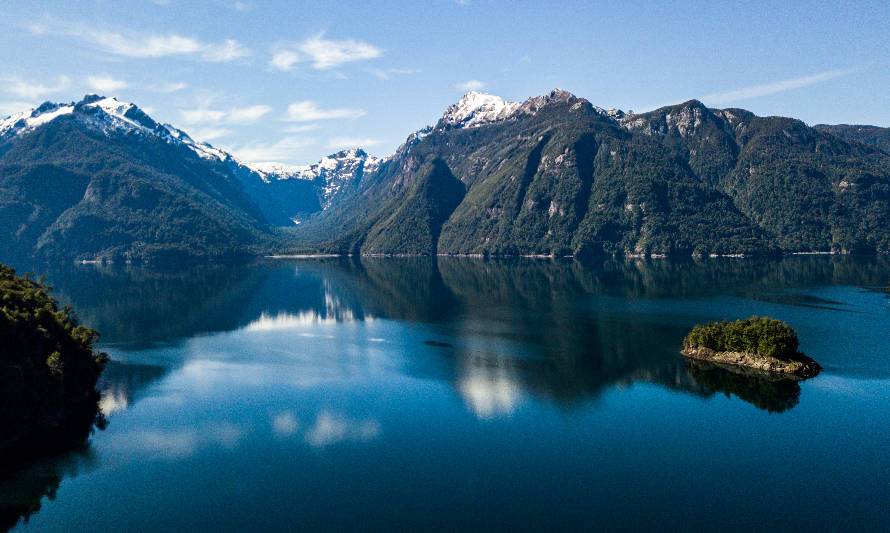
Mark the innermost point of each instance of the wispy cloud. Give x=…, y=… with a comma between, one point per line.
x=470, y=85
x=754, y=91
x=144, y=45
x=300, y=128
x=322, y=53
x=309, y=111
x=387, y=73
x=280, y=150
x=169, y=87
x=105, y=84
x=13, y=107
x=228, y=50
x=234, y=115
x=341, y=143
x=33, y=90
x=284, y=59
x=209, y=134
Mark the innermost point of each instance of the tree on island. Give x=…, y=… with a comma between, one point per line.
x=760, y=343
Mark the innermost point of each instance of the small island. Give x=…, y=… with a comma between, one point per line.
x=48, y=372
x=759, y=343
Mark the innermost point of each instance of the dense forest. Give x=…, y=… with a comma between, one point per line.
x=48, y=371
x=555, y=176
x=757, y=335
x=567, y=178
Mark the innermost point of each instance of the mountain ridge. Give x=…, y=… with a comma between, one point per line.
x=552, y=175
x=556, y=175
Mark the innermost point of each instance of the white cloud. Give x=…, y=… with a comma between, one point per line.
x=202, y=116
x=228, y=50
x=284, y=59
x=145, y=45
x=341, y=143
x=281, y=150
x=235, y=115
x=300, y=128
x=308, y=111
x=209, y=134
x=30, y=90
x=170, y=87
x=13, y=107
x=105, y=84
x=323, y=54
x=246, y=115
x=754, y=91
x=387, y=73
x=470, y=85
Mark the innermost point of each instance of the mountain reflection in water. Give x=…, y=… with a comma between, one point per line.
x=498, y=334
x=559, y=330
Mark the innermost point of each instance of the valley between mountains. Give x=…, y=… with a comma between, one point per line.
x=555, y=175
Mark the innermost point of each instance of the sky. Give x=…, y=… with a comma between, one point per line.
x=291, y=81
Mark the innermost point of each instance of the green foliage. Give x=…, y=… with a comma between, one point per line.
x=414, y=227
x=48, y=368
x=682, y=180
x=874, y=136
x=69, y=192
x=758, y=335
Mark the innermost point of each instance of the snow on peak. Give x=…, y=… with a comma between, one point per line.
x=33, y=118
x=110, y=105
x=269, y=170
x=475, y=109
x=334, y=171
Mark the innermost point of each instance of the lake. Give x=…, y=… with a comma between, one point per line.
x=458, y=394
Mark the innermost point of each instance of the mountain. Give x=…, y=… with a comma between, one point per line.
x=553, y=175
x=557, y=175
x=99, y=178
x=871, y=135
x=327, y=178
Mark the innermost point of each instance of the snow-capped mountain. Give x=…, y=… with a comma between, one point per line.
x=106, y=114
x=332, y=172
x=476, y=109
x=275, y=186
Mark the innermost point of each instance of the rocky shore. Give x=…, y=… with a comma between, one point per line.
x=800, y=369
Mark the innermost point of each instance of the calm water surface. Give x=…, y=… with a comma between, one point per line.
x=464, y=394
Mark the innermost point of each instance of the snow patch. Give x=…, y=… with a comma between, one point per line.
x=475, y=109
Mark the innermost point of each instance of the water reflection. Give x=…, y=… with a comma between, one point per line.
x=23, y=492
x=499, y=330
x=773, y=394
x=305, y=355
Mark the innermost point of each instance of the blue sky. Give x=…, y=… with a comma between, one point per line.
x=291, y=82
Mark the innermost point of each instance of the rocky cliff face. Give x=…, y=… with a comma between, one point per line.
x=557, y=175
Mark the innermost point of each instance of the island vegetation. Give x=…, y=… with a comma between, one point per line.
x=48, y=372
x=760, y=343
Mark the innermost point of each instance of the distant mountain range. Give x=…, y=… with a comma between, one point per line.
x=554, y=175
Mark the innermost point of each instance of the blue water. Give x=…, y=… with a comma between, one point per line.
x=467, y=394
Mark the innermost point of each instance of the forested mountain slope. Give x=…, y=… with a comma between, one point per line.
x=557, y=175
